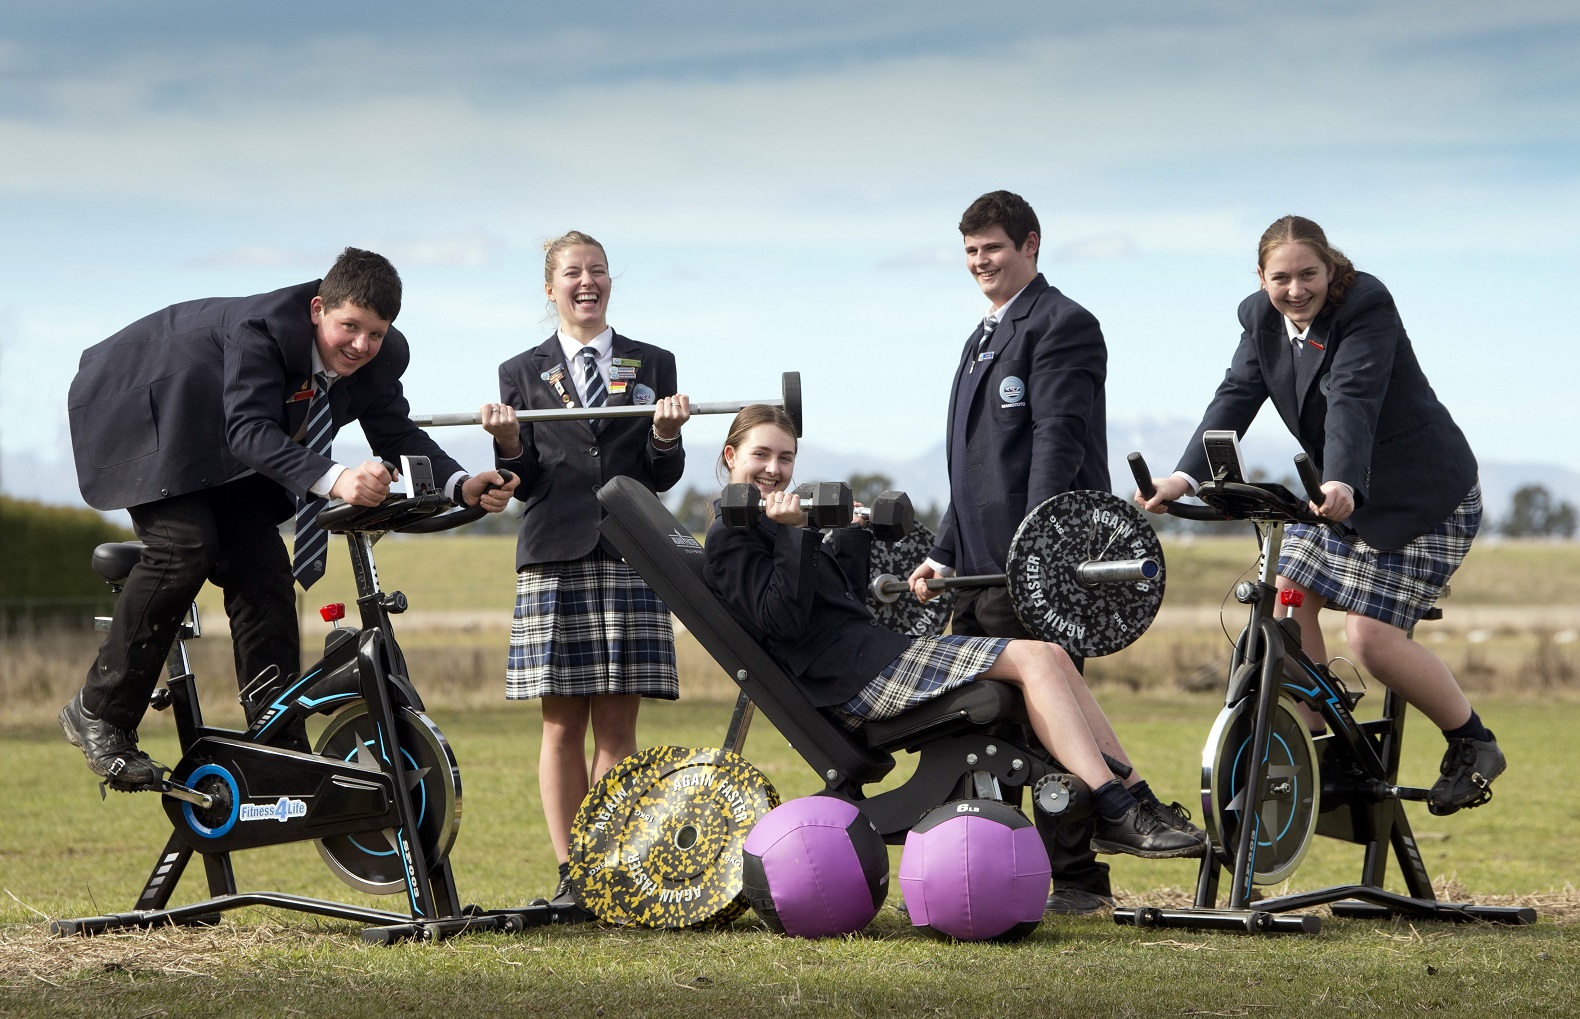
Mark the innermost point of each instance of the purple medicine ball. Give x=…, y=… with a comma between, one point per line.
x=975, y=870
x=816, y=867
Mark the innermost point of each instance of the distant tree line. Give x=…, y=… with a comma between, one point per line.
x=1535, y=513
x=48, y=550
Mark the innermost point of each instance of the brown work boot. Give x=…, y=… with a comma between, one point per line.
x=111, y=751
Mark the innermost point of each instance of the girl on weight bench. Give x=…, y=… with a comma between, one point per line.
x=803, y=600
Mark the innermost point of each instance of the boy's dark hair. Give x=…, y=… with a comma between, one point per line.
x=364, y=278
x=1002, y=209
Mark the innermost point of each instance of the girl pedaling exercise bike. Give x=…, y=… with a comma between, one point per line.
x=1401, y=502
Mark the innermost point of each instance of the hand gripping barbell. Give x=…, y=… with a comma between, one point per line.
x=790, y=400
x=1084, y=571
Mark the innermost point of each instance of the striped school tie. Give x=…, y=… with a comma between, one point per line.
x=592, y=384
x=988, y=325
x=312, y=543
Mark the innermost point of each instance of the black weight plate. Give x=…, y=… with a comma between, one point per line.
x=905, y=614
x=658, y=841
x=1286, y=822
x=1053, y=603
x=368, y=861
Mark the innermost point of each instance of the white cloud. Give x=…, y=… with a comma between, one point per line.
x=1113, y=244
x=786, y=150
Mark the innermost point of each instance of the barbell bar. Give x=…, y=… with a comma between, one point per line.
x=1114, y=571
x=1085, y=571
x=789, y=399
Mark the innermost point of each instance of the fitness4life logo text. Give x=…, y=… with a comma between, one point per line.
x=281, y=810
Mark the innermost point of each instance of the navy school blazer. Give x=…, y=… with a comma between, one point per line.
x=200, y=393
x=563, y=463
x=1035, y=422
x=1359, y=405
x=804, y=601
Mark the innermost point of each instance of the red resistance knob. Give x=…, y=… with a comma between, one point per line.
x=1289, y=596
x=336, y=612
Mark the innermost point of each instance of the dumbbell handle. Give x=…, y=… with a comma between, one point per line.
x=1097, y=571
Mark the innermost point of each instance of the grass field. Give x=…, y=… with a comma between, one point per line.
x=1509, y=635
x=65, y=853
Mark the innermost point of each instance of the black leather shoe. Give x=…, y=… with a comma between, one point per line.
x=111, y=751
x=1077, y=902
x=1468, y=768
x=1144, y=832
x=1175, y=815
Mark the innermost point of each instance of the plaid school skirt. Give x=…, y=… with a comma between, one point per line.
x=587, y=628
x=929, y=667
x=1395, y=587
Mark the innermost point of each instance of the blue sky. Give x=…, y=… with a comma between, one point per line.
x=778, y=186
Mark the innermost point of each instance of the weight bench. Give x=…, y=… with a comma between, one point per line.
x=972, y=741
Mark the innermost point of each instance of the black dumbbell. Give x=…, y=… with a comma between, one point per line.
x=825, y=503
x=890, y=516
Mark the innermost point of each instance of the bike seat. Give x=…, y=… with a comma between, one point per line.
x=114, y=560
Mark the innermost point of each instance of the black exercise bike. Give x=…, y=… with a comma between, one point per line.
x=1268, y=785
x=379, y=793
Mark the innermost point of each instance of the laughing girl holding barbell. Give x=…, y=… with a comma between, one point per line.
x=589, y=638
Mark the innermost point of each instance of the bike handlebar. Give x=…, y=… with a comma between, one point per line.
x=1310, y=478
x=420, y=514
x=1237, y=500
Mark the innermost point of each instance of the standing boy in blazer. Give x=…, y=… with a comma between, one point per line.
x=1027, y=421
x=195, y=419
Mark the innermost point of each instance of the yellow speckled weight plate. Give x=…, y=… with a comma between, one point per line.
x=658, y=840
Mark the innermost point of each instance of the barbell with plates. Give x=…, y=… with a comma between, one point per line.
x=789, y=399
x=658, y=841
x=897, y=559
x=1084, y=571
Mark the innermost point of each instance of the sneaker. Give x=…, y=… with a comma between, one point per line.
x=1468, y=768
x=1077, y=902
x=111, y=751
x=1176, y=815
x=1144, y=832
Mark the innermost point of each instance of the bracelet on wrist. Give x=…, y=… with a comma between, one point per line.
x=659, y=438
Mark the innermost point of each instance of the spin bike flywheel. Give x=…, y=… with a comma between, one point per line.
x=1291, y=796
x=369, y=861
